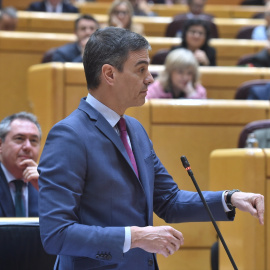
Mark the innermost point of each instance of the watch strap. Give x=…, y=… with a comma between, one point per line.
x=229, y=197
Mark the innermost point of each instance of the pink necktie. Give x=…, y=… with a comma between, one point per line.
x=123, y=134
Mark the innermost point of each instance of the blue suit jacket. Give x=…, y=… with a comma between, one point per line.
x=40, y=6
x=67, y=53
x=259, y=92
x=89, y=192
x=7, y=208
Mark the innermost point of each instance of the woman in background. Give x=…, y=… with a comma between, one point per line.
x=180, y=78
x=120, y=15
x=195, y=37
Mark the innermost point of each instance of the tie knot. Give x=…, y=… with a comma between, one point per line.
x=122, y=124
x=18, y=184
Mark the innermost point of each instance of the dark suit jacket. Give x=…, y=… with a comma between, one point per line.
x=67, y=53
x=89, y=192
x=260, y=92
x=40, y=6
x=7, y=208
x=261, y=59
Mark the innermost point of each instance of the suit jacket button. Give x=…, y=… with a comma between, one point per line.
x=150, y=262
x=109, y=257
x=97, y=256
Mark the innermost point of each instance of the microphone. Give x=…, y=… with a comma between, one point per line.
x=190, y=173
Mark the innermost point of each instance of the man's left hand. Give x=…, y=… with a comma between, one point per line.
x=250, y=202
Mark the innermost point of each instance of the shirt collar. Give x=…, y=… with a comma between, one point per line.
x=58, y=8
x=111, y=116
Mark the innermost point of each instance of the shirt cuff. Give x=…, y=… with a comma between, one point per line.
x=226, y=208
x=127, y=242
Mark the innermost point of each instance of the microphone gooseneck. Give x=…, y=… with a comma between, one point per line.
x=190, y=173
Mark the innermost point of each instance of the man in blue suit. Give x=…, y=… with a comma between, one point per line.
x=20, y=135
x=101, y=181
x=85, y=26
x=58, y=6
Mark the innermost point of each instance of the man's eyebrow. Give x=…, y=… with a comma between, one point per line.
x=142, y=62
x=24, y=135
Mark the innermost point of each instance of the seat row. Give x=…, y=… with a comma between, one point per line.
x=219, y=11
x=153, y=26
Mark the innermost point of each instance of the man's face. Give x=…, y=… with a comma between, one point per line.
x=196, y=7
x=85, y=29
x=22, y=142
x=132, y=82
x=8, y=23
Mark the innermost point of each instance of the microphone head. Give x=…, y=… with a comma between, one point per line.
x=185, y=162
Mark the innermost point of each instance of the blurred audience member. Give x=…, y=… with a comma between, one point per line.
x=20, y=136
x=254, y=2
x=121, y=14
x=195, y=37
x=262, y=58
x=260, y=31
x=85, y=26
x=196, y=11
x=8, y=19
x=58, y=6
x=180, y=78
x=141, y=8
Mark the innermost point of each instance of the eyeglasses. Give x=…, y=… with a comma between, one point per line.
x=194, y=32
x=120, y=12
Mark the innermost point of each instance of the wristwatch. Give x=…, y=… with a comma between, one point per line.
x=228, y=198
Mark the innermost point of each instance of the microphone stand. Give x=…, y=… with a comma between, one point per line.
x=190, y=173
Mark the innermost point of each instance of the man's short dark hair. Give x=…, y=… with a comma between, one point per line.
x=110, y=45
x=85, y=17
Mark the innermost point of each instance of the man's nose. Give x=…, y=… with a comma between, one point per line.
x=26, y=144
x=149, y=78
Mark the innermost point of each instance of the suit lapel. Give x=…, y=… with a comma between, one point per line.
x=5, y=197
x=103, y=125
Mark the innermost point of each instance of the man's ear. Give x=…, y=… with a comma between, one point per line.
x=108, y=73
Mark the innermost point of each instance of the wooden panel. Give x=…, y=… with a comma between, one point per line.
x=218, y=112
x=153, y=26
x=187, y=259
x=46, y=92
x=192, y=232
x=244, y=169
x=18, y=4
x=19, y=51
x=223, y=10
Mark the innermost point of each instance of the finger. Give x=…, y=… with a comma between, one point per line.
x=259, y=205
x=28, y=162
x=178, y=235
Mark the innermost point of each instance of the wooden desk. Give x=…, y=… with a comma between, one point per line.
x=247, y=170
x=219, y=11
x=153, y=26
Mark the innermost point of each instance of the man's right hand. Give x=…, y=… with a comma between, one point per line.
x=163, y=240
